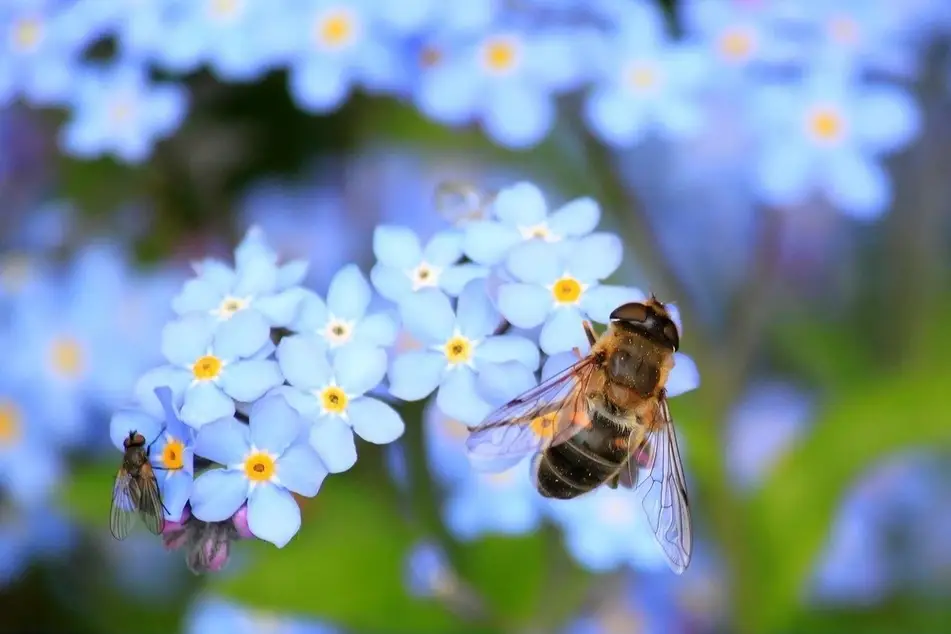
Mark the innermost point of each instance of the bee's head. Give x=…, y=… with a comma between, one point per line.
x=649, y=319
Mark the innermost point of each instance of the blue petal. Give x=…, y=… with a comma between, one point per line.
x=503, y=348
x=428, y=316
x=332, y=439
x=595, y=257
x=379, y=329
x=614, y=117
x=175, y=378
x=292, y=273
x=318, y=85
x=247, y=381
x=559, y=362
x=349, y=293
x=857, y=185
x=524, y=305
x=886, y=119
x=521, y=205
x=390, y=282
x=359, y=367
x=170, y=417
x=176, y=489
x=303, y=361
x=257, y=276
x=534, y=262
x=476, y=316
x=242, y=335
x=684, y=377
x=217, y=494
x=415, y=374
x=455, y=278
x=281, y=308
x=127, y=421
x=458, y=398
x=563, y=331
x=217, y=273
x=444, y=248
x=784, y=174
x=312, y=313
x=447, y=95
x=224, y=441
x=576, y=218
x=198, y=295
x=397, y=247
x=488, y=242
x=273, y=515
x=518, y=116
x=204, y=403
x=375, y=421
x=498, y=383
x=274, y=424
x=300, y=470
x=187, y=339
x=600, y=301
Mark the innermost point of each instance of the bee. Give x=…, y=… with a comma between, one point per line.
x=603, y=421
x=136, y=490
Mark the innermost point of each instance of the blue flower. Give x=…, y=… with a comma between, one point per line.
x=343, y=318
x=30, y=460
x=522, y=215
x=473, y=369
x=37, y=532
x=558, y=285
x=445, y=446
x=826, y=135
x=171, y=446
x=217, y=616
x=404, y=267
x=263, y=463
x=646, y=83
x=648, y=602
x=503, y=503
x=118, y=110
x=333, y=396
x=427, y=572
x=211, y=370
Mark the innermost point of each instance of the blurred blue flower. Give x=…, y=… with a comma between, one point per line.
x=404, y=267
x=118, y=110
x=645, y=82
x=166, y=574
x=343, y=318
x=646, y=604
x=171, y=447
x=263, y=463
x=38, y=532
x=209, y=615
x=427, y=571
x=473, y=369
x=558, y=285
x=211, y=370
x=503, y=503
x=826, y=135
x=30, y=461
x=522, y=214
x=445, y=446
x=333, y=396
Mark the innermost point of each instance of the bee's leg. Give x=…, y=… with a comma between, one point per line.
x=589, y=332
x=613, y=482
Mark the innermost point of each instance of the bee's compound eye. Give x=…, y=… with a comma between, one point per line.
x=619, y=366
x=633, y=312
x=672, y=335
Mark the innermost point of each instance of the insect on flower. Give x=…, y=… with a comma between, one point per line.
x=136, y=490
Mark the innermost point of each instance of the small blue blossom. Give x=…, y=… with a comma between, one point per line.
x=30, y=461
x=404, y=267
x=333, y=398
x=263, y=463
x=343, y=318
x=648, y=603
x=473, y=369
x=37, y=532
x=445, y=446
x=521, y=214
x=171, y=448
x=211, y=370
x=217, y=616
x=118, y=110
x=427, y=571
x=503, y=503
x=558, y=285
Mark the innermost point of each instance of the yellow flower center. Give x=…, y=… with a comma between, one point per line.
x=641, y=77
x=10, y=423
x=338, y=332
x=454, y=429
x=458, y=350
x=544, y=426
x=223, y=9
x=259, y=467
x=67, y=357
x=336, y=28
x=430, y=56
x=334, y=400
x=27, y=34
x=121, y=111
x=15, y=272
x=172, y=454
x=567, y=290
x=736, y=44
x=500, y=54
x=538, y=232
x=207, y=368
x=229, y=306
x=844, y=30
x=826, y=125
x=500, y=479
x=424, y=275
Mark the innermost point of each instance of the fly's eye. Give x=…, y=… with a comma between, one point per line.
x=633, y=312
x=620, y=364
x=670, y=332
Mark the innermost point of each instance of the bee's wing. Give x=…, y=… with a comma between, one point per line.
x=149, y=500
x=665, y=498
x=122, y=513
x=548, y=414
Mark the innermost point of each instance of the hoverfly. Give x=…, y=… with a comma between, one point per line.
x=603, y=421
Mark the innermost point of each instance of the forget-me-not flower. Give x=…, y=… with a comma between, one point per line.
x=263, y=463
x=216, y=616
x=37, y=532
x=333, y=397
x=471, y=367
x=505, y=503
x=30, y=460
x=558, y=285
x=445, y=446
x=521, y=214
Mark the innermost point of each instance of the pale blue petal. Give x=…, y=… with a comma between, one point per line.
x=674, y=313
x=558, y=362
x=198, y=295
x=524, y=305
x=281, y=308
x=857, y=185
x=125, y=421
x=397, y=247
x=428, y=316
x=176, y=489
x=783, y=174
x=204, y=403
x=886, y=119
x=187, y=339
x=415, y=374
x=600, y=301
x=217, y=273
x=594, y=257
x=273, y=514
x=391, y=283
x=217, y=494
x=563, y=331
x=476, y=316
x=444, y=248
x=349, y=293
x=253, y=247
x=458, y=398
x=300, y=470
x=488, y=242
x=375, y=421
x=518, y=115
x=684, y=377
x=534, y=262
x=175, y=378
x=247, y=381
x=303, y=361
x=304, y=402
x=312, y=313
x=274, y=424
x=575, y=219
x=242, y=335
x=332, y=439
x=521, y=205
x=292, y=273
x=257, y=276
x=455, y=278
x=224, y=441
x=499, y=383
x=503, y=348
x=380, y=329
x=359, y=367
x=615, y=118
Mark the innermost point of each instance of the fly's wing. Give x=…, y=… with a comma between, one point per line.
x=146, y=493
x=122, y=513
x=546, y=415
x=665, y=491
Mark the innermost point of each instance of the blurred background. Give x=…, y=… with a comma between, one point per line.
x=777, y=169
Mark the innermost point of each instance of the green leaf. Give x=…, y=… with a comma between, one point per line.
x=87, y=495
